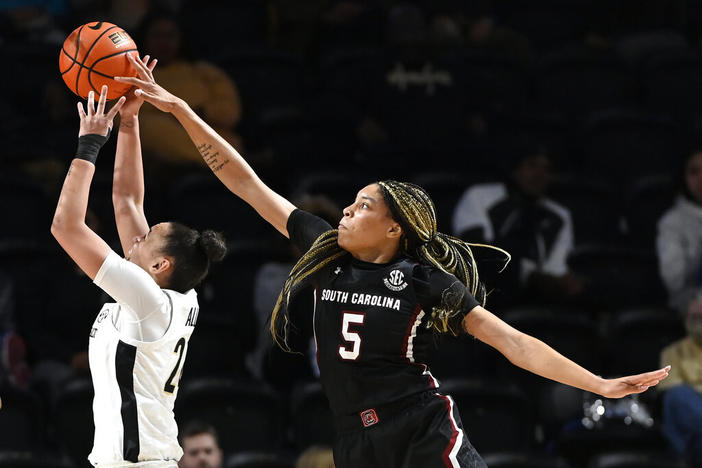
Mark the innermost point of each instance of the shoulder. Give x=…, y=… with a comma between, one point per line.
x=677, y=214
x=485, y=194
x=433, y=275
x=677, y=348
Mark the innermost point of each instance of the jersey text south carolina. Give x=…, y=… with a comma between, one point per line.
x=331, y=295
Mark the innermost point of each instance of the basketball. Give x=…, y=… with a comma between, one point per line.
x=92, y=55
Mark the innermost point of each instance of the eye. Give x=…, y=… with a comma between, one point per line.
x=364, y=205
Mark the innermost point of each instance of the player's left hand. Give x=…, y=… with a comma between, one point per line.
x=96, y=121
x=623, y=386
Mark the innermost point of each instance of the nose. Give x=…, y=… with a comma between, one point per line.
x=347, y=212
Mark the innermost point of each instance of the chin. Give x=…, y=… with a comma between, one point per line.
x=341, y=242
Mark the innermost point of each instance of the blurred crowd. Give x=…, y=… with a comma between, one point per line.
x=567, y=133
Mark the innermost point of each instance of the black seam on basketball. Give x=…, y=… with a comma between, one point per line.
x=90, y=70
x=75, y=57
x=72, y=63
x=82, y=64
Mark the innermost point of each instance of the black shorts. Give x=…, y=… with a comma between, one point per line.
x=423, y=431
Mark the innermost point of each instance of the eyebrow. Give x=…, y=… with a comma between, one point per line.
x=366, y=197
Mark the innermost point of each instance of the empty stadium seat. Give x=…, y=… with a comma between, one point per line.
x=512, y=460
x=73, y=426
x=495, y=416
x=246, y=415
x=310, y=417
x=268, y=80
x=578, y=82
x=21, y=424
x=637, y=336
x=621, y=146
x=592, y=205
x=16, y=459
x=617, y=276
x=26, y=207
x=201, y=201
x=636, y=460
x=259, y=460
x=645, y=202
x=671, y=83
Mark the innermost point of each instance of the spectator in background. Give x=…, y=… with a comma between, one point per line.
x=316, y=457
x=200, y=446
x=679, y=241
x=32, y=21
x=536, y=230
x=211, y=93
x=682, y=401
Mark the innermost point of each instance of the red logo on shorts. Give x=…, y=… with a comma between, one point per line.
x=369, y=417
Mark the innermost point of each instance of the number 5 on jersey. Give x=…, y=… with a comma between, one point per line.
x=352, y=337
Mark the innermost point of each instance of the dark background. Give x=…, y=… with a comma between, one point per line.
x=611, y=87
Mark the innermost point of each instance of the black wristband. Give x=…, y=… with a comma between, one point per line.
x=89, y=146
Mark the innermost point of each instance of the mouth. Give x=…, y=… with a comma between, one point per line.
x=341, y=226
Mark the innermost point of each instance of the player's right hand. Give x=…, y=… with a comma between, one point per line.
x=146, y=86
x=96, y=121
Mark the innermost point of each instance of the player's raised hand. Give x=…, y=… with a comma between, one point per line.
x=95, y=121
x=623, y=386
x=133, y=103
x=146, y=86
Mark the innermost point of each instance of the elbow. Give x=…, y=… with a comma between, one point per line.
x=58, y=228
x=62, y=228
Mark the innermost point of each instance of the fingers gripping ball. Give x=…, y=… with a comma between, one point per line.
x=94, y=54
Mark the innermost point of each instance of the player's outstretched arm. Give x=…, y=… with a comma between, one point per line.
x=128, y=177
x=535, y=356
x=226, y=163
x=85, y=247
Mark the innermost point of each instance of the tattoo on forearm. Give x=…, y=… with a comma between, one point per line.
x=211, y=157
x=127, y=123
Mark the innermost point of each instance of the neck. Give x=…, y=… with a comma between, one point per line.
x=376, y=256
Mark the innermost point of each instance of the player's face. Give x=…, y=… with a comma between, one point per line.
x=367, y=224
x=200, y=451
x=693, y=176
x=147, y=247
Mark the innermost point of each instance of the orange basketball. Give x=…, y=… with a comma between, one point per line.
x=94, y=54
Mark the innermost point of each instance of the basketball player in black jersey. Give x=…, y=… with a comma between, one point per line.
x=384, y=281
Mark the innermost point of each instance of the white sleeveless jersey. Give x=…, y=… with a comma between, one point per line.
x=136, y=384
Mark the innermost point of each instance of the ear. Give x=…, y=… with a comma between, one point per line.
x=395, y=231
x=160, y=265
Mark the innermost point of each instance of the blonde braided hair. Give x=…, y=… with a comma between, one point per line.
x=413, y=209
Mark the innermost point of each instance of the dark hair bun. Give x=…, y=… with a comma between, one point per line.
x=213, y=244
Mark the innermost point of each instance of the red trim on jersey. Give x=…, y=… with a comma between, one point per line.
x=408, y=333
x=454, y=436
x=405, y=345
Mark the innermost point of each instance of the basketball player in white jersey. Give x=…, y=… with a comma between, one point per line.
x=138, y=344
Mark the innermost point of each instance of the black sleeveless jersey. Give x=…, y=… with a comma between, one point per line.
x=371, y=324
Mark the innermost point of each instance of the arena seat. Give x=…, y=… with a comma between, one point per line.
x=310, y=417
x=246, y=414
